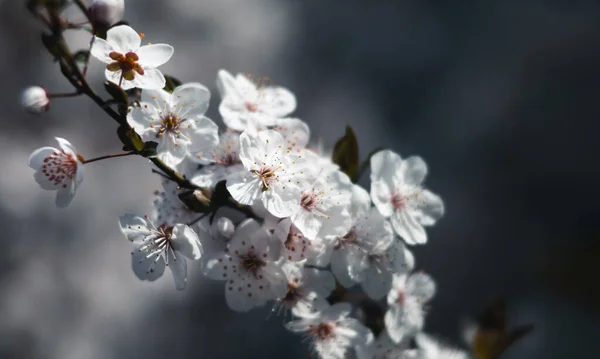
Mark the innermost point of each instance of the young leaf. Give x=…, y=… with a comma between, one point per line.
x=116, y=92
x=345, y=153
x=171, y=83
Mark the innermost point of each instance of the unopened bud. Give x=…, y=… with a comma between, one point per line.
x=35, y=100
x=107, y=12
x=226, y=227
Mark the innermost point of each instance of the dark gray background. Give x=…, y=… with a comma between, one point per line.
x=500, y=98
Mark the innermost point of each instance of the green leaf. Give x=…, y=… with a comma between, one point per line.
x=51, y=43
x=345, y=153
x=130, y=139
x=171, y=83
x=149, y=149
x=116, y=92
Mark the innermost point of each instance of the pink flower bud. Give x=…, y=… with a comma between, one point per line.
x=35, y=100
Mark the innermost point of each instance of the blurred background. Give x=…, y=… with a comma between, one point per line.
x=500, y=98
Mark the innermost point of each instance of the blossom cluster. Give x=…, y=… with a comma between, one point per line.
x=309, y=236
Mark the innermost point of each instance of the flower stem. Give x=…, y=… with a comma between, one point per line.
x=109, y=156
x=63, y=95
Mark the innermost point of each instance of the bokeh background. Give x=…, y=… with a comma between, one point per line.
x=500, y=98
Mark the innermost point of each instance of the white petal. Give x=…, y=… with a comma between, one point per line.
x=100, y=50
x=308, y=223
x=204, y=136
x=171, y=150
x=36, y=159
x=295, y=132
x=408, y=228
x=141, y=265
x=376, y=283
x=192, y=94
x=413, y=170
x=64, y=196
x=282, y=201
x=385, y=165
x=178, y=267
x=233, y=116
x=421, y=285
x=244, y=187
x=212, y=265
x=277, y=101
x=381, y=193
x=430, y=208
x=123, y=39
x=152, y=56
x=158, y=99
x=151, y=79
x=186, y=242
x=337, y=312
x=299, y=326
x=66, y=146
x=394, y=323
x=134, y=228
x=360, y=335
x=225, y=82
x=339, y=268
x=360, y=202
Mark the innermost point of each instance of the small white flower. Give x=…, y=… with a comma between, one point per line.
x=35, y=100
x=405, y=315
x=331, y=332
x=58, y=169
x=397, y=193
x=324, y=205
x=107, y=12
x=384, y=348
x=249, y=266
x=307, y=288
x=428, y=348
x=294, y=246
x=219, y=161
x=169, y=208
x=158, y=247
x=175, y=121
x=270, y=174
x=380, y=266
x=130, y=64
x=244, y=104
x=364, y=246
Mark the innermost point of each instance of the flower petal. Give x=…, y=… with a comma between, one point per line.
x=430, y=208
x=36, y=159
x=277, y=101
x=244, y=187
x=143, y=267
x=134, y=228
x=421, y=285
x=64, y=196
x=178, y=266
x=408, y=228
x=282, y=201
x=186, y=242
x=194, y=97
x=100, y=50
x=151, y=79
x=123, y=39
x=413, y=170
x=66, y=146
x=152, y=56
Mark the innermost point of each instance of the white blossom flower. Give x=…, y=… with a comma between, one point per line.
x=331, y=331
x=307, y=288
x=397, y=193
x=219, y=161
x=429, y=348
x=362, y=247
x=324, y=205
x=245, y=104
x=270, y=174
x=130, y=64
x=107, y=12
x=169, y=208
x=384, y=348
x=249, y=266
x=58, y=169
x=35, y=100
x=175, y=121
x=158, y=247
x=405, y=315
x=295, y=132
x=294, y=246
x=377, y=271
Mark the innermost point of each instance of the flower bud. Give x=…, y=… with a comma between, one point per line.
x=35, y=100
x=107, y=12
x=226, y=227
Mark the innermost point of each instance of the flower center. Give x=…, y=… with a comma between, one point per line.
x=322, y=331
x=60, y=168
x=401, y=297
x=349, y=238
x=251, y=263
x=308, y=201
x=229, y=159
x=127, y=63
x=170, y=124
x=267, y=176
x=158, y=245
x=293, y=294
x=398, y=201
x=251, y=107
